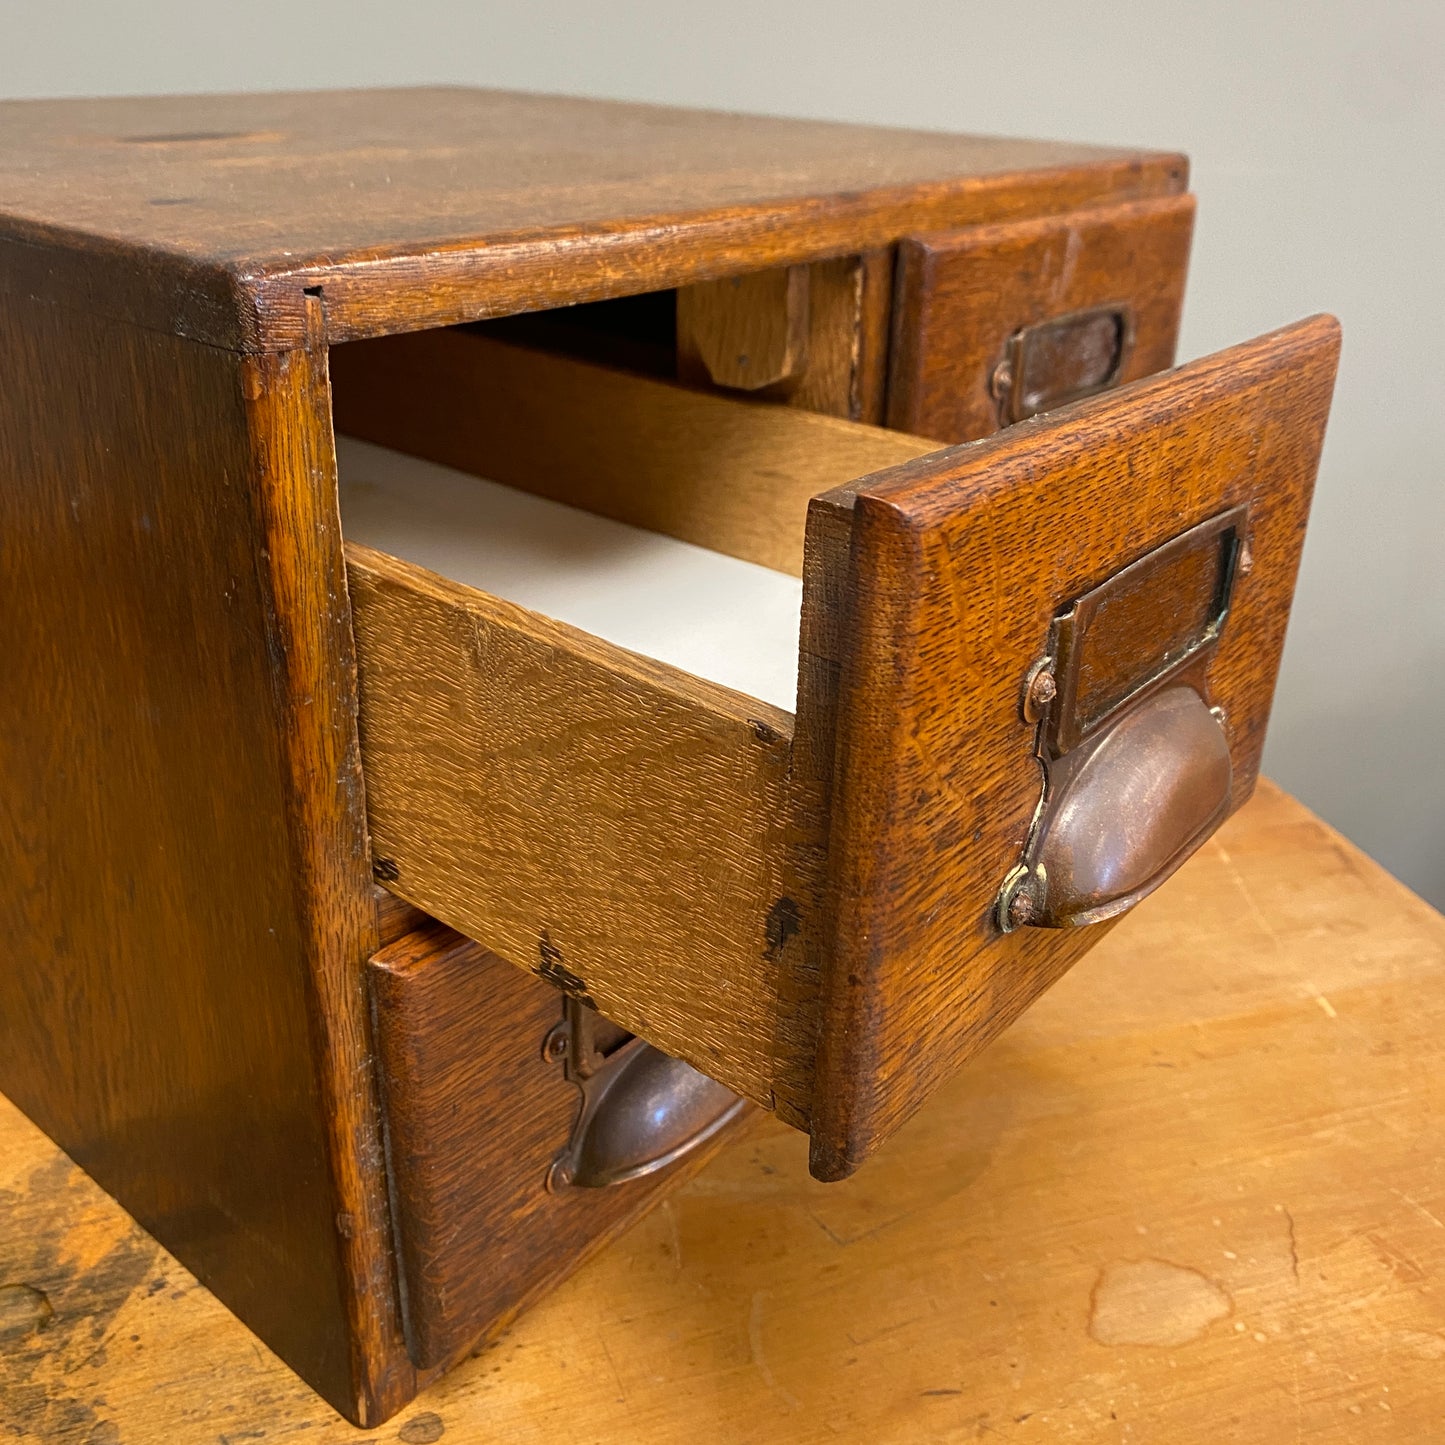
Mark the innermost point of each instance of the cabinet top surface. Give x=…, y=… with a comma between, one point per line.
x=222, y=217
x=276, y=181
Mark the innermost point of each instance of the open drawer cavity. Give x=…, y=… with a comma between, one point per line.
x=727, y=718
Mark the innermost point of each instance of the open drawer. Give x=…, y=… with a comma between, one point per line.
x=1033, y=673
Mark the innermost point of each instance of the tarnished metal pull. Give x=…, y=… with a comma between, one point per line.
x=641, y=1109
x=1063, y=359
x=1137, y=763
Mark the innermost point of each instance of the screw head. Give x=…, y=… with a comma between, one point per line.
x=1040, y=689
x=556, y=1045
x=1017, y=902
x=1000, y=383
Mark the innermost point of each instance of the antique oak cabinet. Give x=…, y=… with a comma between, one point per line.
x=533, y=622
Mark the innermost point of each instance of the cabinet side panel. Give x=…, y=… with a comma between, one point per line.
x=153, y=1006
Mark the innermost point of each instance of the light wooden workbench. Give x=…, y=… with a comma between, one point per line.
x=1198, y=1194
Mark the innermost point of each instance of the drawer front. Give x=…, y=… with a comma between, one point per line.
x=995, y=323
x=960, y=570
x=830, y=910
x=482, y=1114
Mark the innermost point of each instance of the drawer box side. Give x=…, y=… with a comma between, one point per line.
x=607, y=823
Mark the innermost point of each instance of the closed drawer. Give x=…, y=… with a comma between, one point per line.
x=506, y=1120
x=1032, y=674
x=995, y=323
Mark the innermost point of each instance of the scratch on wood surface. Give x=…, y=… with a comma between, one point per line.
x=1419, y=1208
x=755, y=1348
x=1400, y=1264
x=669, y=1214
x=835, y=1237
x=616, y=1373
x=892, y=1328
x=1293, y=1243
x=1237, y=878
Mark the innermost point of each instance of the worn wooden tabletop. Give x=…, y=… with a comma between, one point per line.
x=1197, y=1194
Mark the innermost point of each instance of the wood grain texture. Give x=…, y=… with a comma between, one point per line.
x=395, y=917
x=959, y=563
x=213, y=215
x=745, y=332
x=845, y=370
x=713, y=469
x=602, y=820
x=155, y=1011
x=288, y=410
x=827, y=382
x=810, y=797
x=835, y=360
x=962, y=294
x=870, y=371
x=1238, y=1107
x=476, y=1116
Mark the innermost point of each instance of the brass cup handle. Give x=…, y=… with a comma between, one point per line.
x=1124, y=811
x=641, y=1109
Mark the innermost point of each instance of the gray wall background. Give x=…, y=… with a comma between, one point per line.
x=1317, y=132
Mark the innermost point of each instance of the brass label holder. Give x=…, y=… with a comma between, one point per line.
x=1063, y=359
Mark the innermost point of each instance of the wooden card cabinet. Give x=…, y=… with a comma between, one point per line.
x=533, y=546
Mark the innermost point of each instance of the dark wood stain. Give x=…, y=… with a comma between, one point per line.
x=783, y=923
x=556, y=972
x=24, y=1310
x=423, y=1429
x=56, y=1322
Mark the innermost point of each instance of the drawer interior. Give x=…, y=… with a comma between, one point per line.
x=716, y=617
